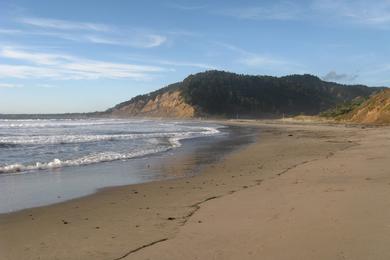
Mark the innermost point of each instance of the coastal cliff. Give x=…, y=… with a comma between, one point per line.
x=376, y=110
x=168, y=104
x=230, y=95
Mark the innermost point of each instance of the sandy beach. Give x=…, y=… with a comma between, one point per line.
x=301, y=191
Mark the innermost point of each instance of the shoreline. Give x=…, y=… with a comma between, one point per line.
x=136, y=220
x=192, y=156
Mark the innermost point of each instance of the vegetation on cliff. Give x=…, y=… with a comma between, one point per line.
x=219, y=93
x=339, y=111
x=375, y=110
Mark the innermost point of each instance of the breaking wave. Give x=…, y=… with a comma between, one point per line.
x=69, y=139
x=173, y=138
x=85, y=160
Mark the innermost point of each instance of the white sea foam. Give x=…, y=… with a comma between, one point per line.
x=173, y=138
x=85, y=160
x=56, y=123
x=68, y=139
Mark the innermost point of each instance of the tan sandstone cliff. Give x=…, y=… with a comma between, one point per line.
x=168, y=104
x=375, y=110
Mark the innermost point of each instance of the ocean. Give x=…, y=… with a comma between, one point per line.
x=30, y=145
x=54, y=160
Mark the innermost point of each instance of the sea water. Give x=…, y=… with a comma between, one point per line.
x=49, y=161
x=31, y=145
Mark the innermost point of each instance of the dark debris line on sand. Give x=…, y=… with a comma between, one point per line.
x=141, y=247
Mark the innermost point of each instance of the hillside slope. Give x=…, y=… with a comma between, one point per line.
x=168, y=104
x=219, y=93
x=376, y=110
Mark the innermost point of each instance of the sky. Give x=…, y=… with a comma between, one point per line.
x=80, y=56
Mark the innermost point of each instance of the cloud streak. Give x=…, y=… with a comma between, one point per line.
x=10, y=31
x=9, y=85
x=89, y=32
x=173, y=63
x=255, y=59
x=359, y=12
x=65, y=25
x=38, y=58
x=276, y=11
x=374, y=13
x=185, y=7
x=334, y=76
x=137, y=40
x=187, y=64
x=65, y=67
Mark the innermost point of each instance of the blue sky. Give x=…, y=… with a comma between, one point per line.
x=79, y=56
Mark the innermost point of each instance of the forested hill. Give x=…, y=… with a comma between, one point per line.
x=219, y=93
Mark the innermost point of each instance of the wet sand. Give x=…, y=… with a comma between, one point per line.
x=45, y=187
x=300, y=192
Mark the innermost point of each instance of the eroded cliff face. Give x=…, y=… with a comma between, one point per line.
x=376, y=110
x=168, y=104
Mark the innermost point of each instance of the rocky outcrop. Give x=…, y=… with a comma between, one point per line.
x=168, y=104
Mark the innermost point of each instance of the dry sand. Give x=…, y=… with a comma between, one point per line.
x=299, y=192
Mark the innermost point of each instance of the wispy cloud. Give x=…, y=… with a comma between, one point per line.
x=9, y=85
x=187, y=7
x=91, y=32
x=358, y=12
x=62, y=67
x=38, y=58
x=181, y=32
x=147, y=40
x=9, y=31
x=255, y=59
x=339, y=77
x=65, y=25
x=138, y=40
x=172, y=63
x=22, y=71
x=186, y=64
x=275, y=11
